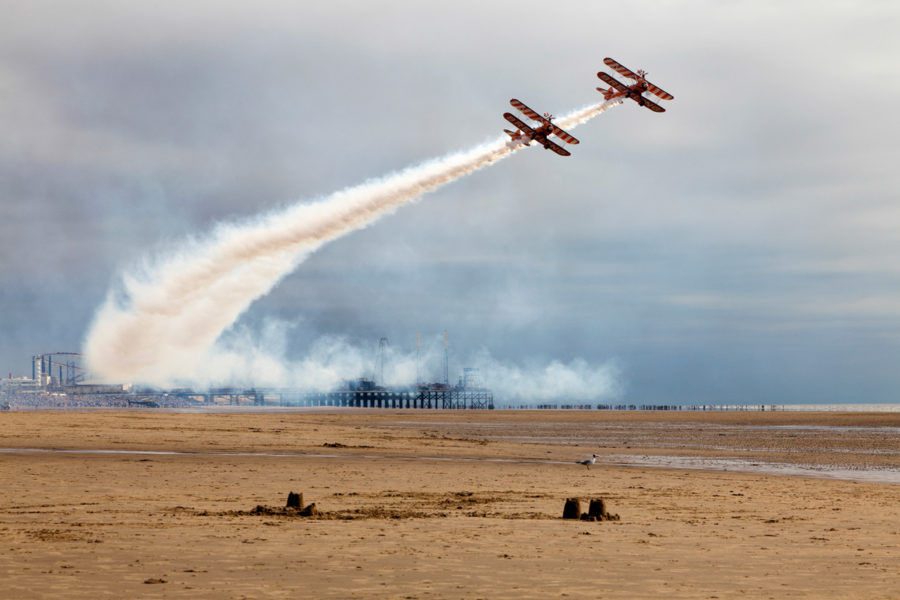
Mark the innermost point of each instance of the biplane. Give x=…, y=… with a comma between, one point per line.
x=539, y=134
x=635, y=91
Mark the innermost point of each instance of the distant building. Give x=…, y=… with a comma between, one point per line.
x=15, y=385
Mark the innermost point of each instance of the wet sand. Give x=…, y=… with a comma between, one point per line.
x=445, y=505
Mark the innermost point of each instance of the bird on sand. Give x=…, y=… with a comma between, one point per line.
x=588, y=461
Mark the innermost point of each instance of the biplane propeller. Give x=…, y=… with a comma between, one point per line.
x=539, y=134
x=635, y=91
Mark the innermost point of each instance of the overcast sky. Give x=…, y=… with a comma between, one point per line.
x=741, y=247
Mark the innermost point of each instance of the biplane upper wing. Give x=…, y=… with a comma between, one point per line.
x=563, y=134
x=653, y=106
x=557, y=148
x=659, y=92
x=620, y=69
x=612, y=82
x=517, y=123
x=527, y=111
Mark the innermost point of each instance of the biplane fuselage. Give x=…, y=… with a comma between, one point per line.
x=634, y=92
x=538, y=135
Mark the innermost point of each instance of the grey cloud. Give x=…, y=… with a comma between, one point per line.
x=692, y=246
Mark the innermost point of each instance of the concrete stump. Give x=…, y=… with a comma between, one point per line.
x=572, y=509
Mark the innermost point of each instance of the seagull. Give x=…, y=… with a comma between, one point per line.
x=588, y=461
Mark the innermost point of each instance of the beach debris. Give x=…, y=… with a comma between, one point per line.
x=155, y=580
x=572, y=509
x=295, y=500
x=596, y=510
x=310, y=511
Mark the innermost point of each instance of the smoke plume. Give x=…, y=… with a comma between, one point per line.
x=244, y=358
x=161, y=323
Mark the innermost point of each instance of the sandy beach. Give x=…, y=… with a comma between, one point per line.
x=419, y=504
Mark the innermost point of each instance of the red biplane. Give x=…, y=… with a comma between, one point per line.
x=526, y=134
x=634, y=91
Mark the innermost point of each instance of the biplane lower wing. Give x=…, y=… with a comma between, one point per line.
x=556, y=148
x=620, y=69
x=612, y=82
x=517, y=123
x=563, y=134
x=653, y=106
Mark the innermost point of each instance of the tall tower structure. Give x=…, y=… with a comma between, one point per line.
x=382, y=350
x=418, y=353
x=37, y=368
x=446, y=361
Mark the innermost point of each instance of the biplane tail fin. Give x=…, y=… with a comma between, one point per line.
x=607, y=93
x=517, y=136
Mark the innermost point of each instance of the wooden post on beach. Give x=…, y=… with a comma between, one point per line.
x=597, y=509
x=295, y=500
x=572, y=509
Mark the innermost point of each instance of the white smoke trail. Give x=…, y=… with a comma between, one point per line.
x=161, y=324
x=576, y=381
x=245, y=358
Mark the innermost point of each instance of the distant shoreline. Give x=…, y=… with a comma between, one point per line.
x=244, y=408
